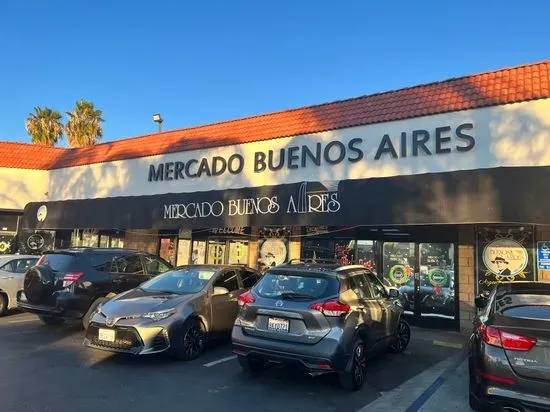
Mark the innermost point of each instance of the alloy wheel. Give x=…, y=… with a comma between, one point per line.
x=193, y=341
x=359, y=365
x=403, y=337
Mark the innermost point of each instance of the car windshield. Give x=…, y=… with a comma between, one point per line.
x=181, y=280
x=293, y=286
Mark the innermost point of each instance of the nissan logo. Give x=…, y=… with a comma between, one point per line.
x=279, y=303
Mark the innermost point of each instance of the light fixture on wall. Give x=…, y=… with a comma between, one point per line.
x=158, y=119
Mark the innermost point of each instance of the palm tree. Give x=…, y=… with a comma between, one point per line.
x=84, y=125
x=44, y=126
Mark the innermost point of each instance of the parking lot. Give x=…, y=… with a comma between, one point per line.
x=47, y=369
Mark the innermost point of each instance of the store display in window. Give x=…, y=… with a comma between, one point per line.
x=198, y=256
x=344, y=251
x=505, y=254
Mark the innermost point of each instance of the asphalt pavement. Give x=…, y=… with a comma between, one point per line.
x=45, y=368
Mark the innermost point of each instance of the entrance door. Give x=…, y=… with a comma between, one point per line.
x=424, y=275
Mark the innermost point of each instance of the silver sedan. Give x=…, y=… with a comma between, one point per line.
x=12, y=274
x=175, y=312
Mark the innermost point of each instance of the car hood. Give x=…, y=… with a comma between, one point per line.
x=138, y=302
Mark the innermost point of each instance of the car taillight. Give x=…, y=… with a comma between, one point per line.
x=331, y=308
x=71, y=277
x=246, y=298
x=506, y=340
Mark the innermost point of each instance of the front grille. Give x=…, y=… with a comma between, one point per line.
x=160, y=342
x=126, y=338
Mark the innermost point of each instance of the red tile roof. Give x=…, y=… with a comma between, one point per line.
x=505, y=86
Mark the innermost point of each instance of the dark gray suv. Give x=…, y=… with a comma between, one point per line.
x=325, y=318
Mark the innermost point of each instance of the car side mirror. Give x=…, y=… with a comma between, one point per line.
x=393, y=293
x=480, y=301
x=220, y=291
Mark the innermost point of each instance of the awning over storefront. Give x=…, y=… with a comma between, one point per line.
x=488, y=195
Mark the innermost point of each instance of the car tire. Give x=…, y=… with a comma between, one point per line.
x=88, y=315
x=51, y=321
x=354, y=378
x=3, y=304
x=190, y=341
x=252, y=366
x=402, y=338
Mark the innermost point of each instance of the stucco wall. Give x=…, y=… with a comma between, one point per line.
x=510, y=135
x=21, y=186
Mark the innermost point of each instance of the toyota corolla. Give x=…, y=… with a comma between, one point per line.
x=175, y=312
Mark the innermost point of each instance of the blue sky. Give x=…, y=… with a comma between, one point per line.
x=198, y=62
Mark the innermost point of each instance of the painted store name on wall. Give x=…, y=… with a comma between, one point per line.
x=441, y=140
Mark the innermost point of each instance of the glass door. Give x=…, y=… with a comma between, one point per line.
x=437, y=281
x=216, y=252
x=399, y=267
x=425, y=276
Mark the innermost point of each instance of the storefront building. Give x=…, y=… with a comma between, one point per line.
x=440, y=188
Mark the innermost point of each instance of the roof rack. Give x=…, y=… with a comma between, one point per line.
x=313, y=261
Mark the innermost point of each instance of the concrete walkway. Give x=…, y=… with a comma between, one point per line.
x=441, y=388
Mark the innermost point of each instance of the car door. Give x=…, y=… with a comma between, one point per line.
x=9, y=280
x=389, y=307
x=370, y=309
x=225, y=307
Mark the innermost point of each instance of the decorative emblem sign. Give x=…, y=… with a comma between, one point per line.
x=42, y=213
x=35, y=241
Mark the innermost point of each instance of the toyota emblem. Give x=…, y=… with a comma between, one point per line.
x=110, y=321
x=279, y=303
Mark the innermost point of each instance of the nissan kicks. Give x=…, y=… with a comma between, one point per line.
x=324, y=318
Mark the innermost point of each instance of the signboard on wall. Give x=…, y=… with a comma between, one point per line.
x=543, y=254
x=35, y=242
x=504, y=254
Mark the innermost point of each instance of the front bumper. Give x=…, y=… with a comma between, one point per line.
x=326, y=355
x=135, y=340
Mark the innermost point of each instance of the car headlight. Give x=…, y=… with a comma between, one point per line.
x=159, y=315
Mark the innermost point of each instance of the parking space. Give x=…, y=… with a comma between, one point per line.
x=44, y=368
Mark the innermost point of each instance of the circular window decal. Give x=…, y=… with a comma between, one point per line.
x=505, y=258
x=4, y=246
x=35, y=242
x=438, y=277
x=399, y=274
x=273, y=252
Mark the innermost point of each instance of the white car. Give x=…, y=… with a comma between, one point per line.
x=12, y=274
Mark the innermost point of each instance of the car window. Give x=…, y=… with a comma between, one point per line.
x=58, y=262
x=130, y=265
x=378, y=289
x=277, y=285
x=524, y=305
x=22, y=265
x=359, y=285
x=228, y=280
x=103, y=262
x=9, y=267
x=249, y=278
x=154, y=266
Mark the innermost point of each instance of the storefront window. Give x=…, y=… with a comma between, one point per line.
x=90, y=238
x=317, y=248
x=366, y=254
x=184, y=249
x=437, y=291
x=104, y=241
x=216, y=252
x=117, y=242
x=167, y=249
x=344, y=251
x=198, y=255
x=238, y=252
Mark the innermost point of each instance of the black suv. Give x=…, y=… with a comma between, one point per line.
x=71, y=283
x=323, y=317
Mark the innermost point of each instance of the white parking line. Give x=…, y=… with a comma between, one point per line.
x=217, y=362
x=22, y=320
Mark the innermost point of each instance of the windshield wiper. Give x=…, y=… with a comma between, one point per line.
x=293, y=295
x=163, y=292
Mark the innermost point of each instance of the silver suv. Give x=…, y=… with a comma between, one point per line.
x=323, y=317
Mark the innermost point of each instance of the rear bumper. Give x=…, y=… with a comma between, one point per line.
x=66, y=306
x=494, y=398
x=326, y=355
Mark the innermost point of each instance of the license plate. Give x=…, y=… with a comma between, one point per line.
x=278, y=325
x=107, y=335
